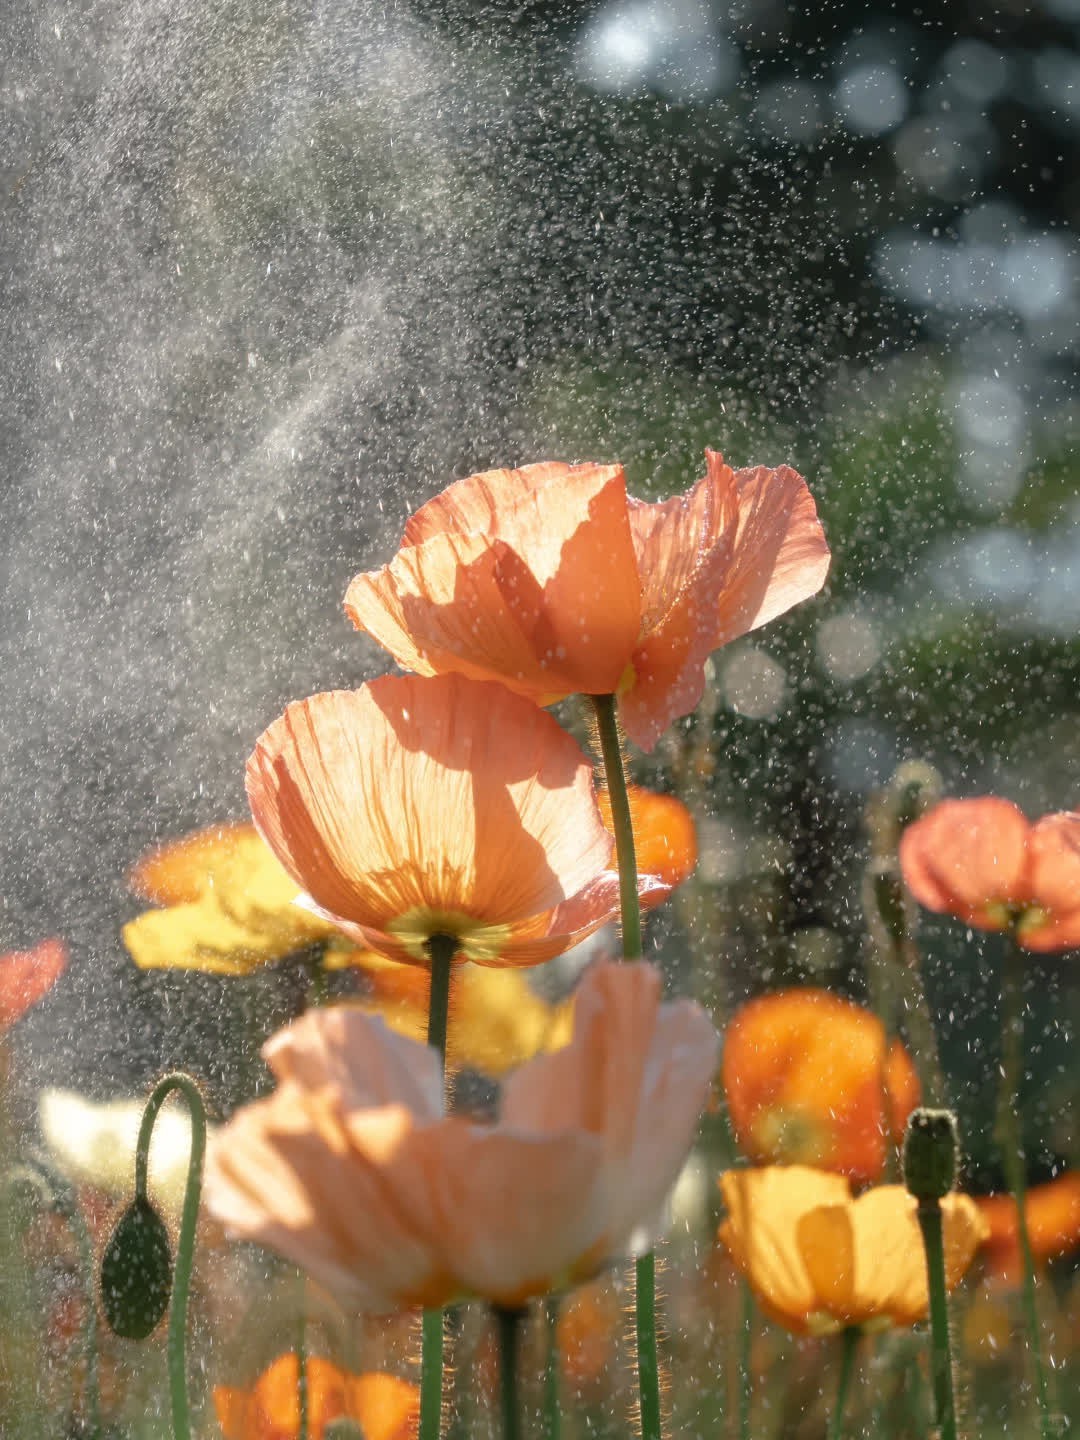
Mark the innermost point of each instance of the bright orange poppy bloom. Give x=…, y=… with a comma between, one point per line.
x=385, y=1407
x=819, y=1261
x=665, y=840
x=351, y=1170
x=985, y=863
x=26, y=976
x=555, y=582
x=1053, y=1222
x=414, y=807
x=808, y=1081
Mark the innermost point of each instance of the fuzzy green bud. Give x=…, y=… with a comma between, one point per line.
x=136, y=1272
x=931, y=1151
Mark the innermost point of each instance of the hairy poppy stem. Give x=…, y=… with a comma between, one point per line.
x=185, y=1245
x=630, y=913
x=1009, y=1134
x=847, y=1369
x=552, y=1413
x=302, y=1367
x=509, y=1323
x=441, y=950
x=59, y=1198
x=941, y=1361
x=615, y=776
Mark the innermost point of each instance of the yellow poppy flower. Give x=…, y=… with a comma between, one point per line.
x=819, y=1261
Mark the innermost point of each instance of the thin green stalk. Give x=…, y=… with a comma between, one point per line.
x=441, y=951
x=509, y=1324
x=185, y=1245
x=630, y=914
x=746, y=1341
x=1009, y=1133
x=301, y=1365
x=611, y=750
x=941, y=1361
x=552, y=1413
x=847, y=1369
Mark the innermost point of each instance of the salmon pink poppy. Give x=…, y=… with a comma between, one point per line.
x=384, y=1406
x=554, y=581
x=985, y=863
x=351, y=1169
x=416, y=807
x=808, y=1079
x=819, y=1261
x=26, y=976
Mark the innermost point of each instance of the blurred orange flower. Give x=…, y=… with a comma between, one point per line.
x=417, y=807
x=985, y=863
x=351, y=1170
x=554, y=581
x=1053, y=1221
x=26, y=976
x=819, y=1261
x=665, y=840
x=807, y=1078
x=385, y=1407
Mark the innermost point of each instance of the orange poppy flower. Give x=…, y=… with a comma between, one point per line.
x=351, y=1170
x=555, y=582
x=807, y=1078
x=26, y=976
x=819, y=1261
x=385, y=1407
x=665, y=840
x=1053, y=1222
x=415, y=807
x=985, y=863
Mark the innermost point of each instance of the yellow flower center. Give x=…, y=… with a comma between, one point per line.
x=477, y=939
x=791, y=1136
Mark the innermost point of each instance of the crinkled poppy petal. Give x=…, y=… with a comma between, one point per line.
x=440, y=794
x=890, y=1260
x=26, y=976
x=1054, y=869
x=533, y=584
x=386, y=1407
x=827, y=1245
x=968, y=858
x=780, y=555
x=364, y=1063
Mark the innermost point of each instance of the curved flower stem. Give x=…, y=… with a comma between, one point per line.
x=509, y=1323
x=1009, y=1134
x=59, y=1198
x=185, y=1245
x=441, y=951
x=941, y=1362
x=630, y=914
x=847, y=1369
x=552, y=1413
x=615, y=776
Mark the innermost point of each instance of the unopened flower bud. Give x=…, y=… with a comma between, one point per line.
x=931, y=1149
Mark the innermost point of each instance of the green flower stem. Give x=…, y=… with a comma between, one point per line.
x=615, y=775
x=302, y=1366
x=58, y=1197
x=1009, y=1134
x=441, y=951
x=185, y=1245
x=847, y=1369
x=552, y=1413
x=746, y=1342
x=630, y=914
x=509, y=1324
x=941, y=1362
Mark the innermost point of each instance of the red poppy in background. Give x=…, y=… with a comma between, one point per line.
x=384, y=1406
x=552, y=580
x=983, y=862
x=1053, y=1221
x=808, y=1081
x=415, y=807
x=665, y=838
x=26, y=976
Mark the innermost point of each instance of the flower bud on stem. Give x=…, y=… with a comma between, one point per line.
x=930, y=1163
